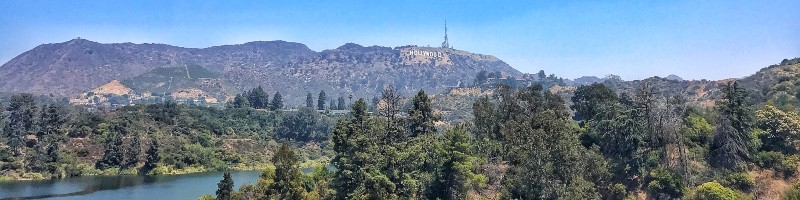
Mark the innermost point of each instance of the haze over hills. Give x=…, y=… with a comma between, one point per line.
x=79, y=65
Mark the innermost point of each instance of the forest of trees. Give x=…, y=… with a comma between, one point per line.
x=526, y=143
x=522, y=143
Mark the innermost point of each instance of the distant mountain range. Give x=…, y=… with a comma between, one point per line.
x=80, y=66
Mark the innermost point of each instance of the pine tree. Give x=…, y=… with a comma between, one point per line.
x=225, y=187
x=277, y=101
x=288, y=183
x=309, y=100
x=730, y=148
x=22, y=110
x=113, y=154
x=133, y=151
x=258, y=98
x=341, y=104
x=152, y=156
x=421, y=116
x=321, y=100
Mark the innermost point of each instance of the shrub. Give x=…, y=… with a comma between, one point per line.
x=715, y=191
x=792, y=193
x=741, y=181
x=777, y=161
x=666, y=183
x=32, y=176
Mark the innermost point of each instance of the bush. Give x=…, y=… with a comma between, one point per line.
x=665, y=183
x=32, y=176
x=715, y=191
x=777, y=161
x=741, y=181
x=792, y=193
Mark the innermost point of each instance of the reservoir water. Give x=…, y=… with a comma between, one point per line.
x=185, y=186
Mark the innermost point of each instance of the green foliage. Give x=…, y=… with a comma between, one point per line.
x=587, y=100
x=740, y=180
x=458, y=169
x=21, y=112
x=697, y=129
x=152, y=157
x=225, y=187
x=778, y=161
x=665, y=184
x=782, y=129
x=309, y=101
x=792, y=193
x=321, y=98
x=113, y=155
x=542, y=148
x=421, y=116
x=304, y=125
x=730, y=147
x=715, y=191
x=277, y=102
x=287, y=180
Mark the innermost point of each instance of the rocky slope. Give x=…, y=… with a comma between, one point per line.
x=78, y=66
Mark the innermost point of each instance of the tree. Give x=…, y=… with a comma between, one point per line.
x=390, y=98
x=21, y=112
x=153, y=156
x=321, y=100
x=729, y=147
x=133, y=151
x=277, y=101
x=309, y=100
x=481, y=78
x=457, y=175
x=225, y=187
x=421, y=115
x=587, y=100
x=258, y=98
x=541, y=75
x=542, y=148
x=51, y=118
x=341, y=104
x=350, y=142
x=241, y=102
x=782, y=129
x=304, y=125
x=113, y=154
x=288, y=183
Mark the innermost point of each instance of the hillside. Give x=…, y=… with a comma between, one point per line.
x=78, y=66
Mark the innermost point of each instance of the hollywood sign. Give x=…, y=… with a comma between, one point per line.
x=426, y=53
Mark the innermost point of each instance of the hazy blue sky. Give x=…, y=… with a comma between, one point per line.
x=635, y=39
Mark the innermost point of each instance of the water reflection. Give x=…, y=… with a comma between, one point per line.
x=189, y=186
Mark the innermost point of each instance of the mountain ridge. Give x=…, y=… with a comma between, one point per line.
x=79, y=65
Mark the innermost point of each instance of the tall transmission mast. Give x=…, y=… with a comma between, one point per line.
x=445, y=44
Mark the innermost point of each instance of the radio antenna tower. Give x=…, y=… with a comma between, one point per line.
x=445, y=44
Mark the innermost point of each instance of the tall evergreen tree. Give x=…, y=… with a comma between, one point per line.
x=113, y=154
x=421, y=115
x=133, y=151
x=258, y=98
x=309, y=100
x=288, y=184
x=152, y=155
x=321, y=100
x=341, y=104
x=21, y=112
x=730, y=145
x=225, y=187
x=277, y=101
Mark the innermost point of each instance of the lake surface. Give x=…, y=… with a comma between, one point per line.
x=186, y=186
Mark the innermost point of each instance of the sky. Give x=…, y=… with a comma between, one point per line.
x=694, y=39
